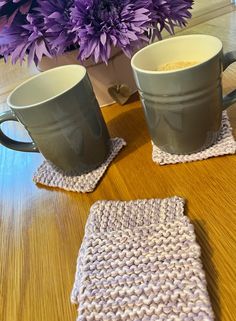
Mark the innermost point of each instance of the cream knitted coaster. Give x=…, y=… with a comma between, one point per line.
x=48, y=174
x=223, y=146
x=139, y=261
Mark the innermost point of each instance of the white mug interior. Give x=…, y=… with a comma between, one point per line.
x=197, y=48
x=46, y=86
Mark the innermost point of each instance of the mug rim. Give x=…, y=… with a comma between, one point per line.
x=164, y=72
x=41, y=74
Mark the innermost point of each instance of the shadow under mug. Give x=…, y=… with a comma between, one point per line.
x=59, y=110
x=183, y=107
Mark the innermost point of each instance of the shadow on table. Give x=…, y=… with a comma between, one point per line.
x=131, y=126
x=232, y=118
x=208, y=266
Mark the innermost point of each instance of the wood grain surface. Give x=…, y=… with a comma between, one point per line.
x=41, y=228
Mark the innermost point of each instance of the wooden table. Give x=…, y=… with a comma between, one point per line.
x=41, y=229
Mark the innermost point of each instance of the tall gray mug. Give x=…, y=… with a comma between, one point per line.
x=59, y=110
x=183, y=106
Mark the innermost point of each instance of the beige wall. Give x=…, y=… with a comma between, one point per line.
x=209, y=5
x=204, y=10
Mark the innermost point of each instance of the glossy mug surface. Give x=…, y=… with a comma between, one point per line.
x=61, y=114
x=183, y=107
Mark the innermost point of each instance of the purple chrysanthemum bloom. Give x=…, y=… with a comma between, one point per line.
x=57, y=23
x=166, y=14
x=50, y=27
x=10, y=8
x=25, y=36
x=101, y=24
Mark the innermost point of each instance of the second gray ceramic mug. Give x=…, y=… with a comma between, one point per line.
x=183, y=107
x=61, y=114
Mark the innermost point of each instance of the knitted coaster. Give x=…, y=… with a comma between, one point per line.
x=50, y=175
x=224, y=145
x=139, y=261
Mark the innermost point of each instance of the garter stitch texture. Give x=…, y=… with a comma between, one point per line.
x=223, y=146
x=49, y=175
x=139, y=261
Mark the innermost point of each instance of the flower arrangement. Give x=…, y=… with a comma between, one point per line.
x=52, y=27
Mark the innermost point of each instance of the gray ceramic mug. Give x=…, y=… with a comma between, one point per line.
x=61, y=114
x=183, y=107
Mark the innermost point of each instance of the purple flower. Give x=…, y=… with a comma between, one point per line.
x=166, y=14
x=51, y=27
x=101, y=24
x=10, y=8
x=25, y=36
x=57, y=23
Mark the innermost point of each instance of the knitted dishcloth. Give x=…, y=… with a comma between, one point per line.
x=139, y=261
x=224, y=145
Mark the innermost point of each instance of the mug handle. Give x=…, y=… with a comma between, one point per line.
x=10, y=143
x=230, y=98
